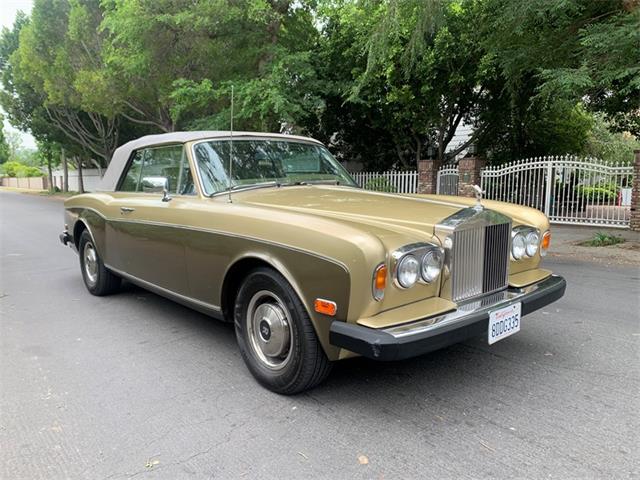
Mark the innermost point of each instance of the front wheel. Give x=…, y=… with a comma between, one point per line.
x=97, y=278
x=275, y=335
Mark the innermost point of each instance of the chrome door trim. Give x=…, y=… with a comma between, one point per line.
x=178, y=297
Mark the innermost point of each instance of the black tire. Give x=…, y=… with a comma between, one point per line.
x=306, y=364
x=98, y=279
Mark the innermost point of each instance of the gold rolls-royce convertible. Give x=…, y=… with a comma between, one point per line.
x=270, y=232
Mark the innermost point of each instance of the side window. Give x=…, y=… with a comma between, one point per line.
x=168, y=162
x=132, y=178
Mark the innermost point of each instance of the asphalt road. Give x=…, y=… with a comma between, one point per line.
x=135, y=385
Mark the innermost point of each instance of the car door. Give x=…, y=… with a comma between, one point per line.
x=147, y=239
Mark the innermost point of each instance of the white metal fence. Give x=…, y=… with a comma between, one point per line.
x=391, y=181
x=447, y=181
x=566, y=188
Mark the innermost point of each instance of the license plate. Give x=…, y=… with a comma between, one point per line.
x=504, y=322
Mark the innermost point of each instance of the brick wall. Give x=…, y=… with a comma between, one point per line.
x=427, y=176
x=469, y=175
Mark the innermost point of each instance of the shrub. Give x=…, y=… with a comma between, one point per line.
x=17, y=169
x=599, y=193
x=10, y=169
x=380, y=184
x=601, y=239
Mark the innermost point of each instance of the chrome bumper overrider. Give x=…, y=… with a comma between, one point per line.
x=64, y=237
x=469, y=320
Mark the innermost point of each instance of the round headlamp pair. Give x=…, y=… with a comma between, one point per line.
x=412, y=267
x=524, y=242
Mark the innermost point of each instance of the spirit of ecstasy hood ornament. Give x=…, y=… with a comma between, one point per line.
x=479, y=192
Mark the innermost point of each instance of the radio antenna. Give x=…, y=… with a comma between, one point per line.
x=231, y=146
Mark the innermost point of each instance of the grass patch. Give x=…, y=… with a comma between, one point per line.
x=601, y=239
x=57, y=193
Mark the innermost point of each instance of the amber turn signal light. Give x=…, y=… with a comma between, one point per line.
x=379, y=281
x=546, y=241
x=326, y=307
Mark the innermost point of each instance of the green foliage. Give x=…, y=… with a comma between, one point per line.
x=573, y=50
x=379, y=81
x=380, y=184
x=515, y=131
x=17, y=169
x=601, y=239
x=424, y=65
x=610, y=146
x=602, y=193
x=5, y=152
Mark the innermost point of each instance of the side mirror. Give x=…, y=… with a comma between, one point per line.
x=156, y=185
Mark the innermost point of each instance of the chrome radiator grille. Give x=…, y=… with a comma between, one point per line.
x=480, y=260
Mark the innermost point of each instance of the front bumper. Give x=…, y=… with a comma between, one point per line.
x=468, y=321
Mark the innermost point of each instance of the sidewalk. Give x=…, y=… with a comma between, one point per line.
x=565, y=240
x=43, y=193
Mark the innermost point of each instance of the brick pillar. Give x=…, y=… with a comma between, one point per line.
x=427, y=176
x=635, y=194
x=469, y=175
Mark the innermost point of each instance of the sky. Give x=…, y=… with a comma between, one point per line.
x=8, y=9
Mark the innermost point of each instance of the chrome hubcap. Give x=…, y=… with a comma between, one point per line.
x=268, y=325
x=90, y=263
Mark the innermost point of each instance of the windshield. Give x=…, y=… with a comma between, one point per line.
x=266, y=162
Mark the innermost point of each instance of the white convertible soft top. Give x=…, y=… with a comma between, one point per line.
x=123, y=153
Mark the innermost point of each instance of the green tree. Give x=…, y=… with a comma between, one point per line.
x=576, y=50
x=414, y=68
x=610, y=146
x=170, y=64
x=58, y=48
x=4, y=146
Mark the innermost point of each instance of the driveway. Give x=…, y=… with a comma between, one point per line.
x=135, y=385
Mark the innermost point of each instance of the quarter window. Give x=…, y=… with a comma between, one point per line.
x=168, y=162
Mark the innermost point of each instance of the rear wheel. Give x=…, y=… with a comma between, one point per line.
x=97, y=278
x=276, y=338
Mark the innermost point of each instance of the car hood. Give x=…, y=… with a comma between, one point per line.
x=356, y=206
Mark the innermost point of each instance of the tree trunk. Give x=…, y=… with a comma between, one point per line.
x=65, y=171
x=52, y=187
x=80, y=179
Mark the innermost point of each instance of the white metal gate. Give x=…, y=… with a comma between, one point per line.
x=567, y=189
x=447, y=181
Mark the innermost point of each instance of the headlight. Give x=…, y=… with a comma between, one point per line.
x=518, y=246
x=431, y=265
x=533, y=241
x=408, y=271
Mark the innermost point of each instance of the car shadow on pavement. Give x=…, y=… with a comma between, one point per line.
x=458, y=370
x=473, y=392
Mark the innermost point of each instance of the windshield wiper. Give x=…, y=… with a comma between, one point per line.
x=311, y=182
x=246, y=186
x=270, y=183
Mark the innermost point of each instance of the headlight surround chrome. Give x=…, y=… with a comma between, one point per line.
x=518, y=246
x=431, y=264
x=525, y=242
x=417, y=263
x=408, y=271
x=533, y=242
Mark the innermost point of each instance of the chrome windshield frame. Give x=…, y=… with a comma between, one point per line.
x=268, y=183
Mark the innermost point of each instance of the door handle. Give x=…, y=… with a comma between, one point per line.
x=126, y=209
